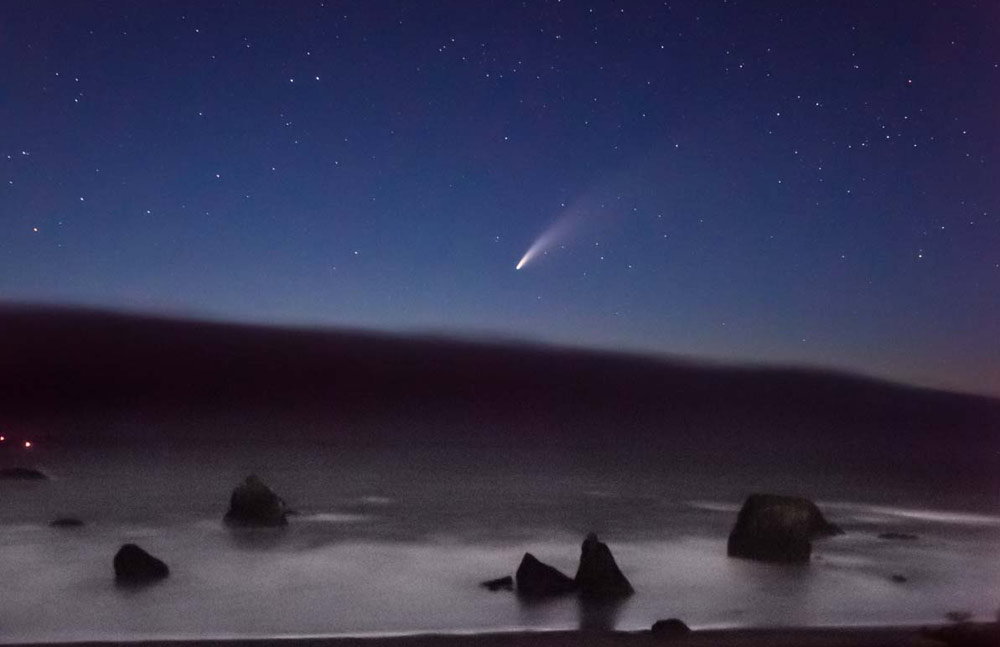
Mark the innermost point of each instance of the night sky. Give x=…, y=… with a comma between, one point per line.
x=804, y=182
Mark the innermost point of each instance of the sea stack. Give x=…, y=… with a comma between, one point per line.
x=133, y=565
x=772, y=528
x=253, y=504
x=598, y=576
x=537, y=580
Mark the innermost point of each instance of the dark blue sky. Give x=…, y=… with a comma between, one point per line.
x=767, y=181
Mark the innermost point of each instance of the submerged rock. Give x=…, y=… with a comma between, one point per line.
x=22, y=473
x=133, y=565
x=898, y=579
x=538, y=580
x=774, y=528
x=254, y=504
x=671, y=628
x=598, y=575
x=500, y=584
x=897, y=536
x=66, y=522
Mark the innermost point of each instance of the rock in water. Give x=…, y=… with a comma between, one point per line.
x=897, y=536
x=499, y=584
x=22, y=473
x=255, y=504
x=66, y=522
x=774, y=528
x=538, y=580
x=133, y=565
x=598, y=576
x=672, y=628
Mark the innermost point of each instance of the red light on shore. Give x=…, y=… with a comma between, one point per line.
x=27, y=444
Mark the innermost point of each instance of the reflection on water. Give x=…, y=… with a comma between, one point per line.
x=599, y=615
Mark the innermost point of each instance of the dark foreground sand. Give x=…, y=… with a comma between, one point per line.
x=967, y=635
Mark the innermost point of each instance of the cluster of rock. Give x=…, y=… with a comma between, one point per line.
x=597, y=577
x=769, y=528
x=774, y=528
x=252, y=504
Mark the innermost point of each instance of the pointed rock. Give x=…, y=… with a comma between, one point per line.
x=538, y=580
x=598, y=575
x=133, y=565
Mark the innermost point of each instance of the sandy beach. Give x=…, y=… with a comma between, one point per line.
x=965, y=635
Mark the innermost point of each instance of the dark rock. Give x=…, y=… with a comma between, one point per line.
x=672, y=628
x=773, y=528
x=254, y=504
x=499, y=584
x=966, y=634
x=133, y=565
x=598, y=576
x=898, y=536
x=958, y=616
x=898, y=579
x=22, y=473
x=66, y=522
x=538, y=580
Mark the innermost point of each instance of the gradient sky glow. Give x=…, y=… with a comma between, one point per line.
x=764, y=181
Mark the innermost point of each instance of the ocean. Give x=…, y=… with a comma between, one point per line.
x=397, y=540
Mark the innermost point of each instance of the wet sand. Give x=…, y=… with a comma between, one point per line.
x=969, y=635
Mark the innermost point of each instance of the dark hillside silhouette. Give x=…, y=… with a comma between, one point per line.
x=65, y=368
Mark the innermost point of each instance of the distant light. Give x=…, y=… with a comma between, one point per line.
x=27, y=444
x=2, y=438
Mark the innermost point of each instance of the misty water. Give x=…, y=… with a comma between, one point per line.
x=395, y=541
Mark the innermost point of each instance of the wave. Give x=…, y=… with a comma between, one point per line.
x=876, y=513
x=713, y=506
x=332, y=517
x=376, y=500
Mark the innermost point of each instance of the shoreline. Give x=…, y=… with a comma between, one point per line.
x=925, y=635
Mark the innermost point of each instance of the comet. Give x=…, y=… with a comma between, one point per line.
x=591, y=211
x=555, y=233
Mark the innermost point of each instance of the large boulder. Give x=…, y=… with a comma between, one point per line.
x=537, y=580
x=598, y=576
x=22, y=474
x=774, y=528
x=254, y=504
x=133, y=565
x=671, y=628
